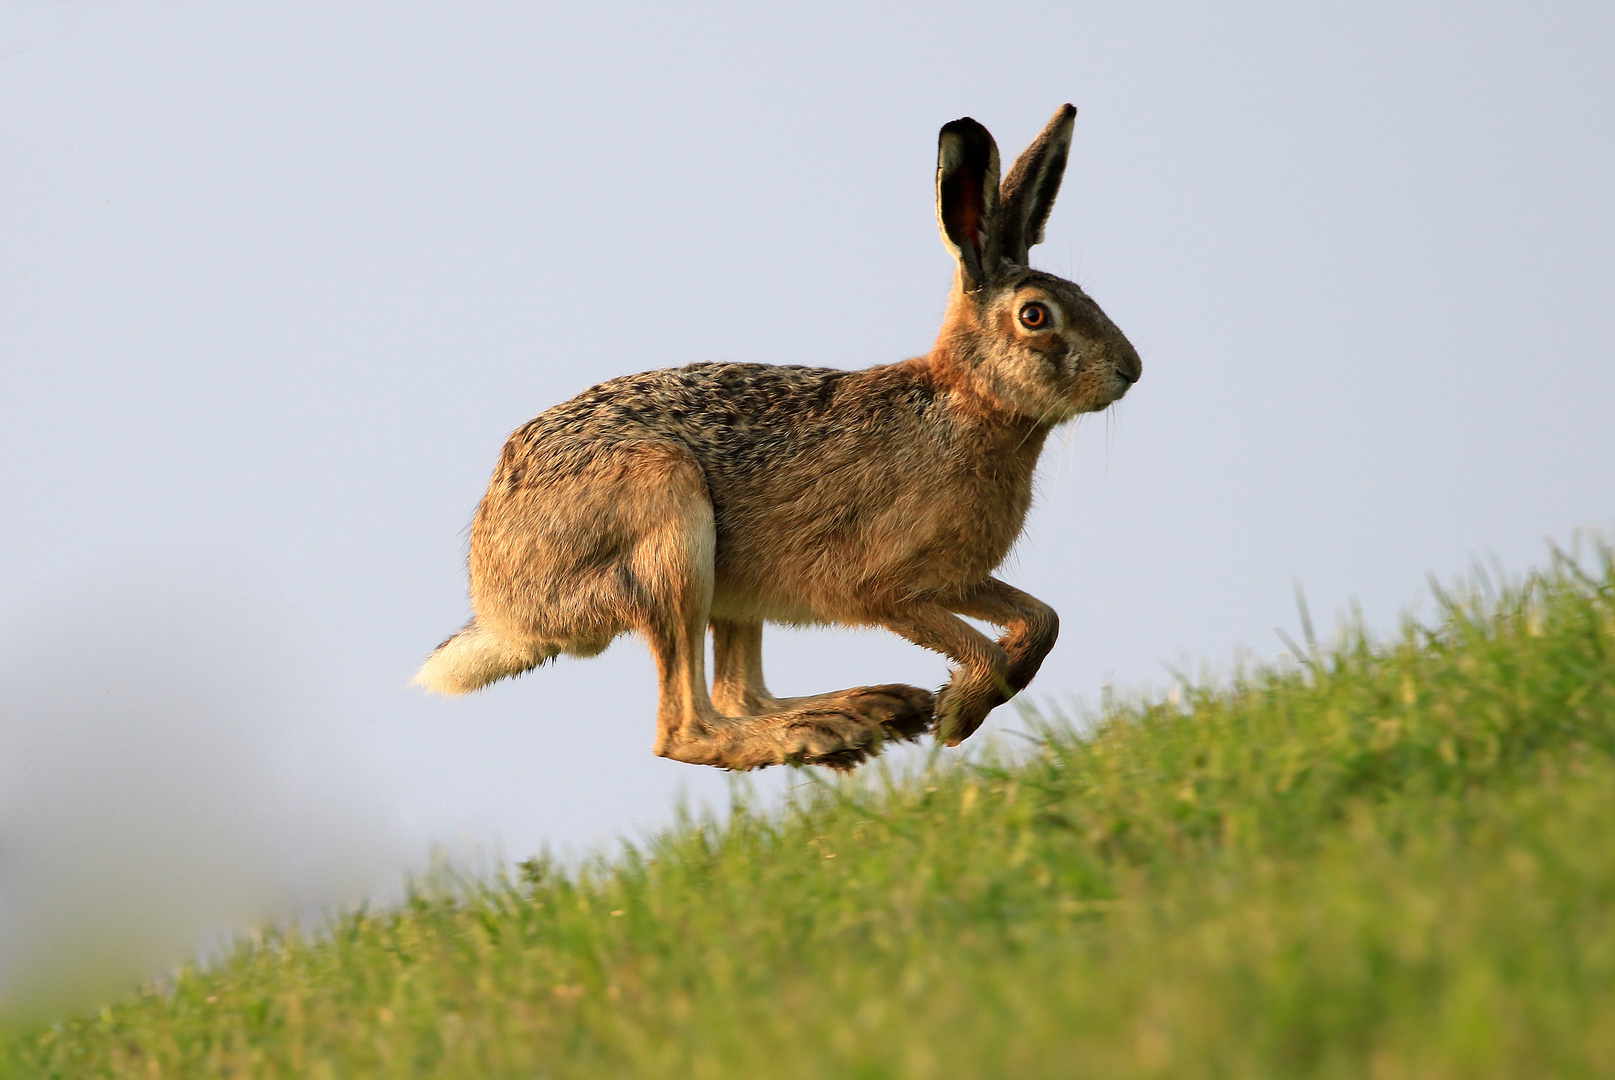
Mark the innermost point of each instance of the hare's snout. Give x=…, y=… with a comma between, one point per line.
x=1125, y=368
x=1127, y=363
x=1114, y=368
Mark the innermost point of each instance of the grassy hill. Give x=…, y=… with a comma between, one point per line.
x=1387, y=861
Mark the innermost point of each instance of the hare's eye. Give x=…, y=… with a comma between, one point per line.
x=1036, y=316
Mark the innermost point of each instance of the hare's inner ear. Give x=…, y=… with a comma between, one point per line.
x=967, y=198
x=1028, y=193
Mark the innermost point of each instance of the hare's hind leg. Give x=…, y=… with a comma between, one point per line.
x=668, y=576
x=737, y=668
x=903, y=712
x=689, y=728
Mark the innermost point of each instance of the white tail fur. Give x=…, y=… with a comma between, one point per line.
x=473, y=658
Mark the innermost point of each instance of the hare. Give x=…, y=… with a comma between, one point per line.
x=728, y=495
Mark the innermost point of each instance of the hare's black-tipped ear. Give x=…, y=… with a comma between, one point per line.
x=1028, y=193
x=967, y=198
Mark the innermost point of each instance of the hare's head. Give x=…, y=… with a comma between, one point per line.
x=1032, y=342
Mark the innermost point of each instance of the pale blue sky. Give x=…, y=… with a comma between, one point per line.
x=276, y=279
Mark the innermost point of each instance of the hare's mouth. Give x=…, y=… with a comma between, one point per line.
x=1119, y=384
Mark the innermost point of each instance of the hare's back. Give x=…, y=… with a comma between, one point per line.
x=728, y=416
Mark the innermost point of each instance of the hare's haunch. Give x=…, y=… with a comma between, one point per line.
x=729, y=495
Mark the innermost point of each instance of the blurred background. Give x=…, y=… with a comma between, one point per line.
x=277, y=278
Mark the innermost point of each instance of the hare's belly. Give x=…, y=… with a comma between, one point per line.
x=844, y=562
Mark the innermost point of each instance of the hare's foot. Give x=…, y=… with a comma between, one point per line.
x=903, y=712
x=816, y=736
x=963, y=704
x=837, y=730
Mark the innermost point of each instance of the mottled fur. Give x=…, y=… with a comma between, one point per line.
x=727, y=495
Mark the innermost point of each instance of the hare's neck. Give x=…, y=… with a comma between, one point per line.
x=994, y=424
x=1006, y=448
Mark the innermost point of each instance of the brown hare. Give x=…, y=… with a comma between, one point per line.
x=729, y=495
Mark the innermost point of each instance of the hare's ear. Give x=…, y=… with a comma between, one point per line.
x=967, y=198
x=1028, y=193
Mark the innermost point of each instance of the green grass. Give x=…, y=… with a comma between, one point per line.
x=1386, y=861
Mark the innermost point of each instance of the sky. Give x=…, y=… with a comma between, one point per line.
x=277, y=278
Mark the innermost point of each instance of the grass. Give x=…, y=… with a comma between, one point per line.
x=1387, y=860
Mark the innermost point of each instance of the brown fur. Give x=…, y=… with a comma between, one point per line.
x=729, y=495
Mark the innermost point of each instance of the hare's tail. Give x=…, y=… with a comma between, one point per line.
x=475, y=657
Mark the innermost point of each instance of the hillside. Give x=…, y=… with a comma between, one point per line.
x=1389, y=860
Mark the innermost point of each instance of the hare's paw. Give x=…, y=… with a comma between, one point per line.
x=834, y=738
x=802, y=736
x=961, y=706
x=903, y=712
x=839, y=730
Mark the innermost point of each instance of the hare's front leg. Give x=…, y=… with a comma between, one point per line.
x=989, y=672
x=1030, y=626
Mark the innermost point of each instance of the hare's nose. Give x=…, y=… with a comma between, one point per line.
x=1128, y=365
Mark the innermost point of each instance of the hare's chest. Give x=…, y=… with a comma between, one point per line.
x=978, y=516
x=950, y=523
